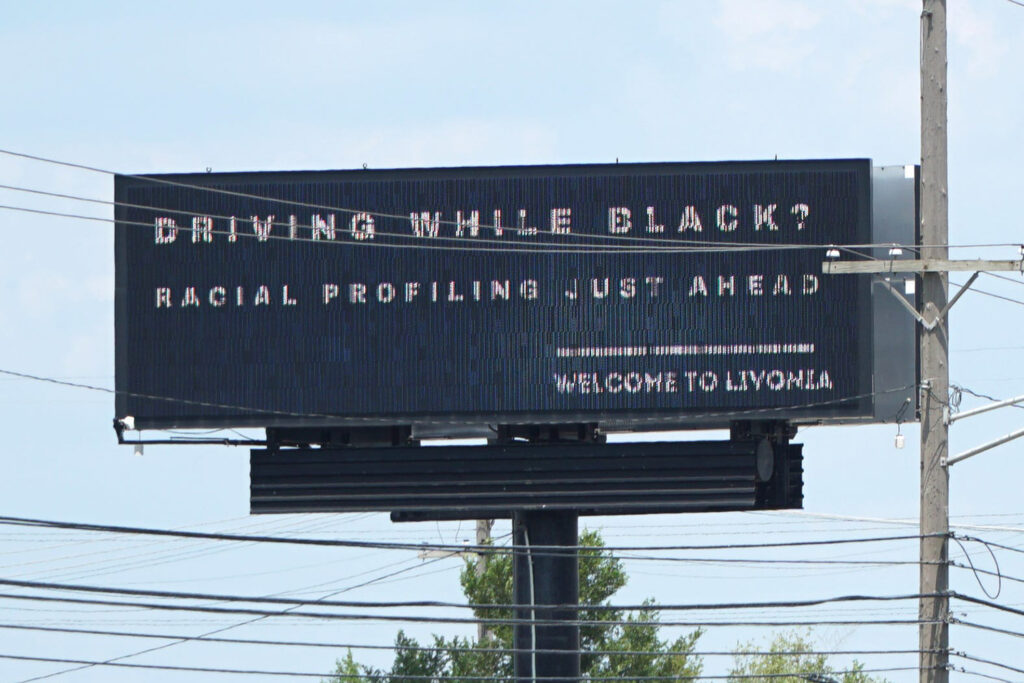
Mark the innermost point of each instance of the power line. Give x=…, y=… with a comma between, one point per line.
x=216, y=630
x=152, y=397
x=362, y=617
x=1003, y=277
x=526, y=249
x=229, y=627
x=478, y=549
x=986, y=603
x=284, y=613
x=422, y=648
x=221, y=191
x=983, y=627
x=975, y=290
x=245, y=195
x=433, y=421
x=168, y=667
x=163, y=553
x=672, y=245
x=906, y=522
x=1001, y=546
x=961, y=389
x=387, y=604
x=990, y=677
x=998, y=573
x=678, y=246
x=979, y=660
x=756, y=561
x=987, y=572
x=279, y=524
x=415, y=677
x=529, y=248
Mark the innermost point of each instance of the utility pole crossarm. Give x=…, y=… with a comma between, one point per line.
x=442, y=554
x=918, y=266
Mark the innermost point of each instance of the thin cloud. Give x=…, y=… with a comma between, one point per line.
x=771, y=34
x=985, y=50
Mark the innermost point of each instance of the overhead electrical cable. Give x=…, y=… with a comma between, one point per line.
x=408, y=618
x=975, y=290
x=178, y=552
x=508, y=249
x=987, y=572
x=986, y=603
x=479, y=549
x=1001, y=546
x=130, y=558
x=246, y=195
x=433, y=421
x=1004, y=277
x=410, y=677
x=987, y=397
x=983, y=627
x=635, y=242
x=386, y=604
x=466, y=243
x=979, y=660
x=222, y=629
x=989, y=677
x=221, y=191
x=424, y=648
x=369, y=582
x=901, y=522
x=106, y=390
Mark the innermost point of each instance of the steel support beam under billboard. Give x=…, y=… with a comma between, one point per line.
x=549, y=582
x=475, y=482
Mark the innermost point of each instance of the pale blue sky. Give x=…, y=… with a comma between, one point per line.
x=179, y=87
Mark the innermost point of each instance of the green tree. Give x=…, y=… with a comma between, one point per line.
x=774, y=661
x=606, y=645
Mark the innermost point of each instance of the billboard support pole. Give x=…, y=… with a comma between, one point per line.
x=549, y=650
x=545, y=571
x=934, y=382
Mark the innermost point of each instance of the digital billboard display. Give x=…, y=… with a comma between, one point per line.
x=632, y=294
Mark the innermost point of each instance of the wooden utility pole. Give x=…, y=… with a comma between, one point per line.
x=933, y=266
x=934, y=611
x=483, y=537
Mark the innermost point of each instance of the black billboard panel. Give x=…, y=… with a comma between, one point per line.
x=634, y=294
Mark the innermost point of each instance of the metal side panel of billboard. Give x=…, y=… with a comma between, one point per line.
x=634, y=295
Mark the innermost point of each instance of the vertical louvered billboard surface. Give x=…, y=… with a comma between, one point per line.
x=632, y=295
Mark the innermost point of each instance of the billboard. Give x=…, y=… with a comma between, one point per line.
x=633, y=295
